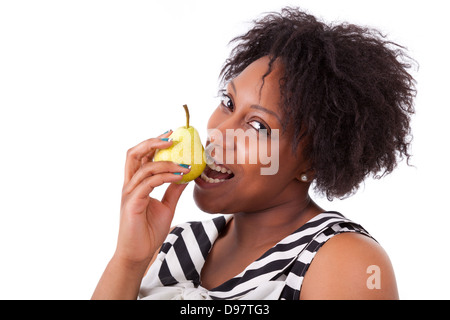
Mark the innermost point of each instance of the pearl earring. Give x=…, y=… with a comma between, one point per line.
x=304, y=178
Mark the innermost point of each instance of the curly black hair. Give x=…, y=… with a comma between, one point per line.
x=344, y=88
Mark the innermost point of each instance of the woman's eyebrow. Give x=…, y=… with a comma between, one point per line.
x=233, y=86
x=258, y=107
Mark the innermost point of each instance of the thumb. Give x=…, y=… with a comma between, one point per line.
x=172, y=195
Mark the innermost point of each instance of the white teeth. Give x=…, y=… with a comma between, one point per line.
x=217, y=168
x=211, y=180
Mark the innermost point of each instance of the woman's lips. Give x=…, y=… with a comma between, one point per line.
x=215, y=174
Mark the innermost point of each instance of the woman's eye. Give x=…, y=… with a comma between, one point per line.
x=259, y=126
x=227, y=102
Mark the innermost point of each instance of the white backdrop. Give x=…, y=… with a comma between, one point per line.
x=83, y=81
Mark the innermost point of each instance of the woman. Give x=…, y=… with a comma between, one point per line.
x=341, y=99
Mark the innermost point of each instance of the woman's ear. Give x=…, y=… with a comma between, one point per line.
x=305, y=172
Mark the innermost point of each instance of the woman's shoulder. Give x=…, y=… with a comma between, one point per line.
x=350, y=266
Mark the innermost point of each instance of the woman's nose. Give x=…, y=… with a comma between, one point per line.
x=218, y=134
x=219, y=146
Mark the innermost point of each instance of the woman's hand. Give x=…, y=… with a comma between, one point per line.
x=145, y=221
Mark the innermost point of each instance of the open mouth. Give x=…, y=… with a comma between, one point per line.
x=216, y=173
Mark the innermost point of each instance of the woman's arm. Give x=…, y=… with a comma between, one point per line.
x=120, y=280
x=350, y=266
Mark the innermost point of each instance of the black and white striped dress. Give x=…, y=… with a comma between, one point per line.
x=277, y=274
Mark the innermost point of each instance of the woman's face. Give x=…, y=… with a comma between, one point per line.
x=249, y=115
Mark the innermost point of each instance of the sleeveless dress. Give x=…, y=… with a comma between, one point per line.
x=277, y=275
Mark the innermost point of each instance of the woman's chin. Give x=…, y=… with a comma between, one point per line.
x=206, y=203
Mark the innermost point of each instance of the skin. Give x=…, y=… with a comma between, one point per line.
x=266, y=208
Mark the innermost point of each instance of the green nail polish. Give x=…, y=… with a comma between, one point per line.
x=166, y=139
x=184, y=165
x=178, y=173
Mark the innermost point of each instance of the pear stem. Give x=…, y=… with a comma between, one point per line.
x=187, y=115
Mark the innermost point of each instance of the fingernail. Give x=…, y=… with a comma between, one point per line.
x=166, y=139
x=167, y=131
x=184, y=165
x=178, y=173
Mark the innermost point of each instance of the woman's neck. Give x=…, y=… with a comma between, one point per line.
x=267, y=227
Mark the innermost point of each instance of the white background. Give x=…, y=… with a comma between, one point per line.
x=83, y=81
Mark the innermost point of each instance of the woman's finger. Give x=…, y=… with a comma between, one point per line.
x=148, y=184
x=153, y=168
x=172, y=195
x=146, y=149
x=149, y=157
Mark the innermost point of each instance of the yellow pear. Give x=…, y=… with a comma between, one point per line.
x=186, y=149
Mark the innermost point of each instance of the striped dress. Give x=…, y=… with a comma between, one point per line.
x=277, y=274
